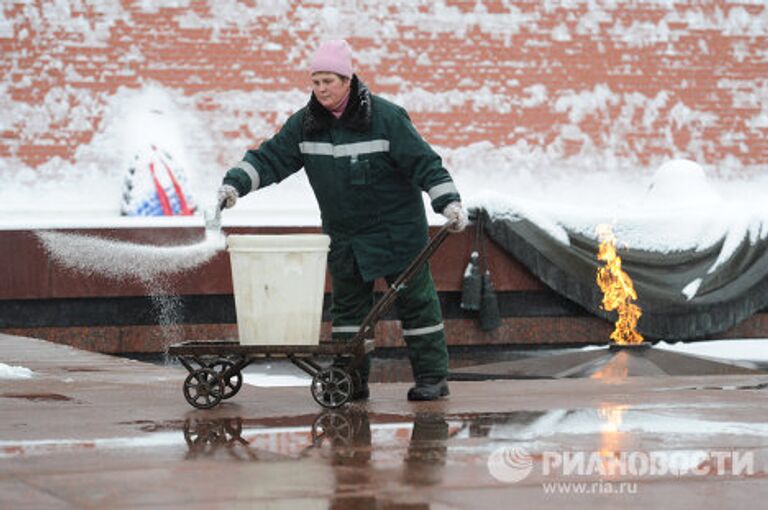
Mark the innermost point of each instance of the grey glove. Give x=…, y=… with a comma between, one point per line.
x=457, y=215
x=227, y=196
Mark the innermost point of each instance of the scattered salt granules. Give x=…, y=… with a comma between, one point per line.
x=124, y=260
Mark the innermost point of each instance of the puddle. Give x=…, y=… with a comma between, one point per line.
x=662, y=421
x=57, y=446
x=349, y=453
x=344, y=437
x=758, y=386
x=423, y=438
x=38, y=397
x=153, y=426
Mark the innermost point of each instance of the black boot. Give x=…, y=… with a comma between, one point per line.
x=429, y=388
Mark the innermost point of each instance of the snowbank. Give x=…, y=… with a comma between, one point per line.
x=14, y=372
x=677, y=208
x=739, y=350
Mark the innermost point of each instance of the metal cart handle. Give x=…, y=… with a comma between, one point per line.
x=383, y=305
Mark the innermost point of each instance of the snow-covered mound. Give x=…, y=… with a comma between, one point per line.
x=681, y=183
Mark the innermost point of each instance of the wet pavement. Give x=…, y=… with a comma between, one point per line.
x=95, y=431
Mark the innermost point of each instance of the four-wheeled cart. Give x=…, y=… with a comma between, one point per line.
x=215, y=367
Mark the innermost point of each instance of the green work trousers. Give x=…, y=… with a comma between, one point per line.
x=418, y=309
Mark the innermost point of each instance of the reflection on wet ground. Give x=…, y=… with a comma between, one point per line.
x=348, y=433
x=368, y=451
x=364, y=459
x=421, y=442
x=363, y=450
x=609, y=426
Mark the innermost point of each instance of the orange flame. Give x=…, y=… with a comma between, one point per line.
x=618, y=291
x=611, y=437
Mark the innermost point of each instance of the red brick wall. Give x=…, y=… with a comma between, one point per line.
x=638, y=80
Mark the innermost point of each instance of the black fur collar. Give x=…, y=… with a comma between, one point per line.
x=356, y=116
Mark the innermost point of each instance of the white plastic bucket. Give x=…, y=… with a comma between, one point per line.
x=279, y=282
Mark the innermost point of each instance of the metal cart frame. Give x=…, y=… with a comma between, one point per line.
x=215, y=367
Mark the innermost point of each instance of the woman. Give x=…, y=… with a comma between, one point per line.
x=367, y=166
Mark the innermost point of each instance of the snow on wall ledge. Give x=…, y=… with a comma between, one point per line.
x=510, y=88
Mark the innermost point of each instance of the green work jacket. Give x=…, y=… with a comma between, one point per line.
x=367, y=169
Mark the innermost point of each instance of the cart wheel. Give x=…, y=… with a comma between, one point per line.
x=332, y=387
x=233, y=430
x=233, y=383
x=197, y=434
x=334, y=426
x=203, y=388
x=201, y=433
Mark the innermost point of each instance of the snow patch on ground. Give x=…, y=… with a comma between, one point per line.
x=14, y=372
x=740, y=350
x=263, y=380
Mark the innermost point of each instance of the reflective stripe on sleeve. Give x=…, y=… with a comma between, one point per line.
x=423, y=331
x=252, y=173
x=442, y=189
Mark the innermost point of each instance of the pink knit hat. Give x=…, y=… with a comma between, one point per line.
x=334, y=57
